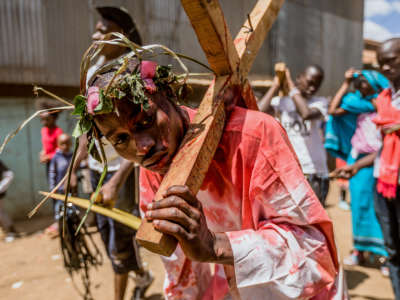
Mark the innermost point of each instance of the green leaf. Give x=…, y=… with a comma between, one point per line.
x=83, y=126
x=80, y=105
x=93, y=151
x=105, y=105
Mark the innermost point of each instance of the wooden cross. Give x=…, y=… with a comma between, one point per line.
x=280, y=71
x=231, y=61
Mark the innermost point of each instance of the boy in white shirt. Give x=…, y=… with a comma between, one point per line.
x=303, y=114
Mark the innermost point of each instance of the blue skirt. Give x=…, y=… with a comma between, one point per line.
x=367, y=233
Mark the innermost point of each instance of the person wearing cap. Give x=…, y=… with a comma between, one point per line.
x=118, y=186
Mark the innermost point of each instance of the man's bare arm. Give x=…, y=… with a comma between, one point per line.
x=334, y=106
x=265, y=103
x=110, y=190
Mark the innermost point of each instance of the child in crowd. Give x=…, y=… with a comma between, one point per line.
x=49, y=132
x=58, y=168
x=302, y=115
x=6, y=177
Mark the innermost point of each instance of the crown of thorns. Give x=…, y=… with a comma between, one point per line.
x=134, y=77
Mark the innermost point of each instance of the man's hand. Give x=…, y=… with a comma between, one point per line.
x=391, y=129
x=289, y=79
x=276, y=83
x=43, y=157
x=345, y=172
x=108, y=194
x=349, y=75
x=180, y=214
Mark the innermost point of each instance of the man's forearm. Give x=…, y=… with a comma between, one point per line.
x=123, y=172
x=337, y=100
x=366, y=161
x=302, y=108
x=265, y=103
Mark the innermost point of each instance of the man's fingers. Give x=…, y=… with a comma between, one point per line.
x=176, y=202
x=173, y=229
x=182, y=191
x=173, y=214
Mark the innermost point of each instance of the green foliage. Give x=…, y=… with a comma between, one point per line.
x=92, y=149
x=83, y=126
x=80, y=105
x=105, y=105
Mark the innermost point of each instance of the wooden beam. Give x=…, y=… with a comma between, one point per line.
x=252, y=35
x=118, y=215
x=208, y=22
x=280, y=71
x=190, y=164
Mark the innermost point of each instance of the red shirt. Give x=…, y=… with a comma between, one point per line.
x=255, y=191
x=49, y=139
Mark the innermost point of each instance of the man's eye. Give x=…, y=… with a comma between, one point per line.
x=121, y=139
x=145, y=122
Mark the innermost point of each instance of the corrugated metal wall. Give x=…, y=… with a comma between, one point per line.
x=41, y=41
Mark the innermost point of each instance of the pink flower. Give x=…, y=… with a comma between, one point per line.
x=147, y=73
x=92, y=99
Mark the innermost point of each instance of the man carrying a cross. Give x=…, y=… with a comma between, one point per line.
x=255, y=217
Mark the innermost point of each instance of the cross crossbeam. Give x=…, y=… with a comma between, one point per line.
x=231, y=61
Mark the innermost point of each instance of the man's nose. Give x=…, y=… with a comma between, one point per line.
x=144, y=143
x=385, y=67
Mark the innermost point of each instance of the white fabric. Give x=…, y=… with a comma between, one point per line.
x=113, y=159
x=305, y=136
x=6, y=180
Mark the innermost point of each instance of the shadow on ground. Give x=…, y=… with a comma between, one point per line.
x=355, y=278
x=155, y=297
x=368, y=297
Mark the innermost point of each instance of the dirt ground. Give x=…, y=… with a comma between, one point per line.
x=31, y=267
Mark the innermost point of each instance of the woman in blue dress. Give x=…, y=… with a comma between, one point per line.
x=351, y=135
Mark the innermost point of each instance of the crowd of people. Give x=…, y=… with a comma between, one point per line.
x=359, y=127
x=259, y=217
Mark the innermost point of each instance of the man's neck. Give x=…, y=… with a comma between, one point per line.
x=396, y=85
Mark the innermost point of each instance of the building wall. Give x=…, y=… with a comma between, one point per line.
x=42, y=41
x=21, y=155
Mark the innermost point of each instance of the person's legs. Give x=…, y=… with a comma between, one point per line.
x=388, y=214
x=7, y=224
x=319, y=186
x=120, y=281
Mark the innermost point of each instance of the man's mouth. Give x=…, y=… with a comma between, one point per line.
x=157, y=160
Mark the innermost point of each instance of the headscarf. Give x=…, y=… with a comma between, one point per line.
x=340, y=129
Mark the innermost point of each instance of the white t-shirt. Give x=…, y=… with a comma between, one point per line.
x=305, y=136
x=113, y=159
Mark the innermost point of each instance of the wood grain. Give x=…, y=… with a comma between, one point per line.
x=231, y=63
x=280, y=71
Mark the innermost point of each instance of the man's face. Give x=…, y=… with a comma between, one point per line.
x=309, y=82
x=64, y=143
x=148, y=137
x=102, y=28
x=47, y=119
x=389, y=60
